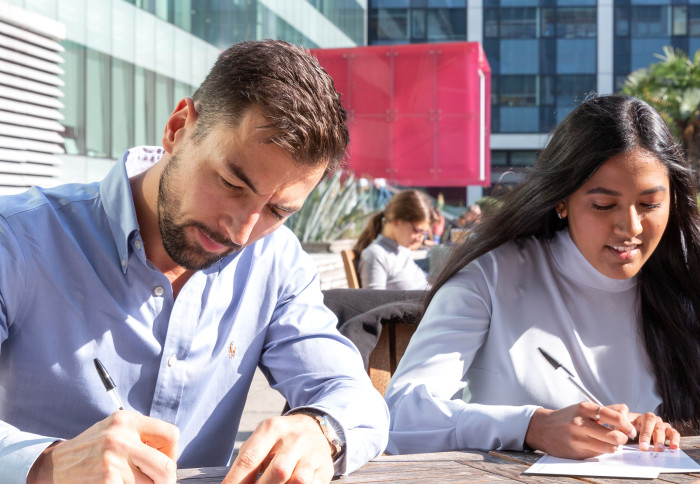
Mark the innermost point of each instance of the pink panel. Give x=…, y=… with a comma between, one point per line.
x=414, y=111
x=414, y=81
x=413, y=149
x=370, y=75
x=458, y=148
x=336, y=64
x=454, y=93
x=370, y=148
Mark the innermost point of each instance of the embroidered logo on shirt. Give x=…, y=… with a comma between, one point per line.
x=231, y=350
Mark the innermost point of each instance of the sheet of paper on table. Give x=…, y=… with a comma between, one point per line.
x=627, y=462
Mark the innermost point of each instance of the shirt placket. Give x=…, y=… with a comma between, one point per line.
x=182, y=324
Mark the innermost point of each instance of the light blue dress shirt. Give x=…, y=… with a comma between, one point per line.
x=75, y=284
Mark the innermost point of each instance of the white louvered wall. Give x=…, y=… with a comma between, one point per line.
x=30, y=99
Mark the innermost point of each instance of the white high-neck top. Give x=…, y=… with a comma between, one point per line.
x=472, y=375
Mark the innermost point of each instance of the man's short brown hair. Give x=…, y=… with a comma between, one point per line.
x=295, y=94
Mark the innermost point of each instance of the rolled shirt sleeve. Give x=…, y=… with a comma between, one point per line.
x=307, y=360
x=18, y=452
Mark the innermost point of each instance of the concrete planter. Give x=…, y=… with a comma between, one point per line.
x=333, y=246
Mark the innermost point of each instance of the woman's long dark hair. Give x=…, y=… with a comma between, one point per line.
x=408, y=205
x=669, y=282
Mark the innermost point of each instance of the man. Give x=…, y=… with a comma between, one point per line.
x=181, y=280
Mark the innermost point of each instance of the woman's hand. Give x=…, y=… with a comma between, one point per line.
x=652, y=428
x=580, y=431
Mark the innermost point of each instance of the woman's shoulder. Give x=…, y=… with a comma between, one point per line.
x=379, y=247
x=522, y=256
x=521, y=249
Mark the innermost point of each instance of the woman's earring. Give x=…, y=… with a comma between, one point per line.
x=559, y=215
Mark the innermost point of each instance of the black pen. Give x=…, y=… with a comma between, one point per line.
x=570, y=376
x=108, y=383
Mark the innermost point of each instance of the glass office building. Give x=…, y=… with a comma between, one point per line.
x=127, y=63
x=546, y=56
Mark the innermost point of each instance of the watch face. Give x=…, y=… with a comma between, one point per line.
x=330, y=434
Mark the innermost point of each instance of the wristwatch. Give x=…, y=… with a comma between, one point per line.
x=329, y=432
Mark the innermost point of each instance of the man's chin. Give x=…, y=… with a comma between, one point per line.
x=201, y=261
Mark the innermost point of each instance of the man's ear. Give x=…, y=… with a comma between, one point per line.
x=184, y=116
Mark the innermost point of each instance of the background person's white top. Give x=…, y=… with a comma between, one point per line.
x=482, y=330
x=385, y=264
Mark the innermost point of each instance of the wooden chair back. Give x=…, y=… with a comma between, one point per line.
x=385, y=357
x=348, y=256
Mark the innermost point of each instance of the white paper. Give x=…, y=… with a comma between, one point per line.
x=627, y=462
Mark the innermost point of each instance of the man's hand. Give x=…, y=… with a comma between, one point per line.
x=285, y=449
x=125, y=447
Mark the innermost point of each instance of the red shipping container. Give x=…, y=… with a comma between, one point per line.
x=419, y=114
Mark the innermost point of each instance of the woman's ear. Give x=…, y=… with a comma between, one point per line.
x=184, y=116
x=561, y=210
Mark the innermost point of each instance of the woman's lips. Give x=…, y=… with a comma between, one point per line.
x=624, y=252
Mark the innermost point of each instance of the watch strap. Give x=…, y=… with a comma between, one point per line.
x=328, y=431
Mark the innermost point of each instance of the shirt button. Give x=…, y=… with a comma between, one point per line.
x=158, y=291
x=172, y=360
x=123, y=262
x=137, y=244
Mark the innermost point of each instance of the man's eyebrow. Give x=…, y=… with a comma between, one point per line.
x=238, y=172
x=606, y=191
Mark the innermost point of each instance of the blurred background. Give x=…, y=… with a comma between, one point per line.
x=83, y=80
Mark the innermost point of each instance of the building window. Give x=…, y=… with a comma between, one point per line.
x=543, y=59
x=122, y=107
x=98, y=107
x=650, y=21
x=446, y=24
x=518, y=23
x=389, y=25
x=74, y=100
x=517, y=91
x=403, y=21
x=576, y=23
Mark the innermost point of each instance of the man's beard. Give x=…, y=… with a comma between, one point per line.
x=180, y=250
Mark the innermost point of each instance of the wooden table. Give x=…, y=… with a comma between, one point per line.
x=459, y=467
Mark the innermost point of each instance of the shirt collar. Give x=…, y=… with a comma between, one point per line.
x=389, y=244
x=115, y=193
x=574, y=265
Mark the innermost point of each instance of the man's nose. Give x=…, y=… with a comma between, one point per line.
x=241, y=225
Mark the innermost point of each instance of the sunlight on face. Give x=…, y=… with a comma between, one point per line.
x=617, y=218
x=227, y=191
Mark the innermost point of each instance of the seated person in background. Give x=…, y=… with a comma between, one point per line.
x=384, y=246
x=472, y=217
x=438, y=227
x=182, y=280
x=596, y=259
x=460, y=228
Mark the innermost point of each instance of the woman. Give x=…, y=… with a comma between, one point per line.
x=595, y=259
x=385, y=244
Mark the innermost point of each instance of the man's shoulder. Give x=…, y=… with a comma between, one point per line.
x=54, y=198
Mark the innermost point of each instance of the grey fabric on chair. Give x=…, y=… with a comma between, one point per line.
x=363, y=312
